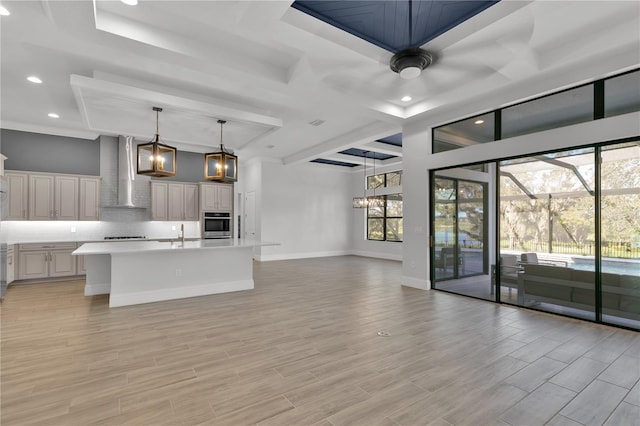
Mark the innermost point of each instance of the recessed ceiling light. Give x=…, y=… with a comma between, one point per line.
x=478, y=122
x=53, y=115
x=406, y=98
x=4, y=11
x=130, y=2
x=34, y=79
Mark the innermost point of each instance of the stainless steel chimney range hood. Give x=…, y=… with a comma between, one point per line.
x=126, y=173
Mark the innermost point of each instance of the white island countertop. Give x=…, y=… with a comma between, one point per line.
x=155, y=246
x=134, y=272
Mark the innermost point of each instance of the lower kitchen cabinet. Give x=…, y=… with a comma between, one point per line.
x=11, y=264
x=81, y=269
x=38, y=261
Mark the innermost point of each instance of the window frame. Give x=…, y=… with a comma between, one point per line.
x=384, y=217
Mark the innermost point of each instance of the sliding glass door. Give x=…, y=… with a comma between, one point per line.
x=445, y=229
x=547, y=232
x=561, y=233
x=620, y=234
x=459, y=233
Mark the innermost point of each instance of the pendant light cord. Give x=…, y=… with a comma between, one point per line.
x=365, y=177
x=157, y=110
x=222, y=122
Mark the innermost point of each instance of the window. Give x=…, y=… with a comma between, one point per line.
x=470, y=131
x=384, y=180
x=603, y=98
x=622, y=94
x=384, y=223
x=549, y=112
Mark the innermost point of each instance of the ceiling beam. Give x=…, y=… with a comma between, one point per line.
x=382, y=148
x=356, y=137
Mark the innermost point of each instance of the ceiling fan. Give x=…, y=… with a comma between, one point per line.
x=410, y=62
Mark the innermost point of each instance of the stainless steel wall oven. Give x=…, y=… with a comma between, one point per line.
x=216, y=225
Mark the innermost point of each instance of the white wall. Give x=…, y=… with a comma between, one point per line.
x=305, y=208
x=416, y=147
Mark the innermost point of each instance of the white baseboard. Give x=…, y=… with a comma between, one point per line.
x=95, y=289
x=137, y=298
x=290, y=256
x=416, y=283
x=377, y=255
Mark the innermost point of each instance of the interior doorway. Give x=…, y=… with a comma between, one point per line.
x=250, y=215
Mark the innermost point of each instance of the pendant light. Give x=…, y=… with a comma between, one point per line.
x=221, y=165
x=361, y=202
x=155, y=158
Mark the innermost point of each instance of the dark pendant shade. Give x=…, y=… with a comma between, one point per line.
x=155, y=158
x=221, y=165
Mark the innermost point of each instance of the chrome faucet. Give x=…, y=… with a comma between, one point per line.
x=181, y=236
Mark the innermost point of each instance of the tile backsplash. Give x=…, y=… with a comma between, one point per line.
x=52, y=231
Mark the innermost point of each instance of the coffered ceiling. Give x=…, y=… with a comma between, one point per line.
x=292, y=87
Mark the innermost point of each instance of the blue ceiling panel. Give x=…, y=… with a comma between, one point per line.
x=333, y=162
x=392, y=140
x=386, y=23
x=366, y=154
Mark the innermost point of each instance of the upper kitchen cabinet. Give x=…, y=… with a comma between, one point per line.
x=89, y=202
x=190, y=210
x=53, y=197
x=174, y=201
x=17, y=188
x=216, y=197
x=39, y=196
x=159, y=201
x=66, y=197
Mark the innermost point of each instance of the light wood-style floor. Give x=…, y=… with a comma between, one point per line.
x=302, y=348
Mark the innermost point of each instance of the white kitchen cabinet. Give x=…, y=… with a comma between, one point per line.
x=62, y=263
x=175, y=204
x=65, y=198
x=33, y=265
x=18, y=195
x=11, y=264
x=38, y=261
x=191, y=211
x=81, y=267
x=89, y=200
x=174, y=201
x=53, y=197
x=159, y=201
x=216, y=197
x=41, y=197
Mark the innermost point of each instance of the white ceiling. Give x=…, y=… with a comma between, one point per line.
x=270, y=70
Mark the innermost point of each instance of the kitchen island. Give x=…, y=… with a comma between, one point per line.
x=136, y=272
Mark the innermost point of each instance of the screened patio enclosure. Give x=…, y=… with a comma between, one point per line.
x=558, y=232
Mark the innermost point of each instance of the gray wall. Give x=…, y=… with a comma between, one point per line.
x=35, y=152
x=189, y=168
